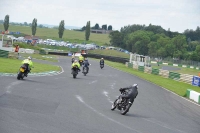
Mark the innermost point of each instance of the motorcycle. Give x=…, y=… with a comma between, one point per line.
x=101, y=66
x=21, y=73
x=85, y=70
x=80, y=62
x=75, y=71
x=73, y=60
x=122, y=104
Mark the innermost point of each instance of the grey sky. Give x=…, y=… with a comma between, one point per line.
x=177, y=15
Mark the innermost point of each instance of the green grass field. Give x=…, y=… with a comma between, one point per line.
x=69, y=35
x=13, y=65
x=182, y=70
x=109, y=53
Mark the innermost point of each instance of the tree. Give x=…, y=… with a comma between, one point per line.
x=61, y=28
x=6, y=22
x=96, y=26
x=104, y=27
x=116, y=39
x=110, y=27
x=87, y=31
x=34, y=26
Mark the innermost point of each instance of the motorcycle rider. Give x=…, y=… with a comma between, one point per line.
x=73, y=58
x=75, y=63
x=132, y=92
x=81, y=58
x=29, y=64
x=102, y=61
x=86, y=64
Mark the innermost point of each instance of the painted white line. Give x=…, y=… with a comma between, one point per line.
x=112, y=85
x=8, y=88
x=93, y=82
x=159, y=86
x=106, y=117
x=106, y=94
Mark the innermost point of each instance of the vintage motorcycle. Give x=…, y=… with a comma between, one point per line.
x=22, y=72
x=101, y=66
x=122, y=104
x=75, y=71
x=85, y=70
x=80, y=62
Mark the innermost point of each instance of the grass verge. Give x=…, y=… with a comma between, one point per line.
x=169, y=84
x=12, y=66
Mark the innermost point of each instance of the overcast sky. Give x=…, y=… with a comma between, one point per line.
x=177, y=15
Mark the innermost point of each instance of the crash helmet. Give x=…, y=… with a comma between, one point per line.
x=102, y=58
x=135, y=85
x=29, y=58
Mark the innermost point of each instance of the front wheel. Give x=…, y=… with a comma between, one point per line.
x=114, y=105
x=125, y=109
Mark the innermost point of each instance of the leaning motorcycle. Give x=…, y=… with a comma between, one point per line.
x=74, y=71
x=21, y=73
x=122, y=104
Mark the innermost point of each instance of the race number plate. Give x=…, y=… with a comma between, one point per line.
x=21, y=69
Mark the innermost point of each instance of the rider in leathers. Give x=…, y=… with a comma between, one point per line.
x=132, y=92
x=86, y=64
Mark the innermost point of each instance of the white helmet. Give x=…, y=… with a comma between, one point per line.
x=135, y=85
x=29, y=58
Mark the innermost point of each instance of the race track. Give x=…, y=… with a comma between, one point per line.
x=61, y=104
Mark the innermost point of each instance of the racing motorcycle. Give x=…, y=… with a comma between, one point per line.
x=75, y=71
x=122, y=104
x=22, y=72
x=80, y=62
x=85, y=70
x=101, y=66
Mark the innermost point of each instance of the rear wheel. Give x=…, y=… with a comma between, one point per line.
x=74, y=76
x=125, y=109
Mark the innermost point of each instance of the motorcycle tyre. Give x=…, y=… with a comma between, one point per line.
x=114, y=106
x=123, y=112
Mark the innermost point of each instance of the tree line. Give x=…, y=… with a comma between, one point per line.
x=154, y=41
x=34, y=26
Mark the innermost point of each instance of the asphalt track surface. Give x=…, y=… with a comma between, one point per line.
x=61, y=104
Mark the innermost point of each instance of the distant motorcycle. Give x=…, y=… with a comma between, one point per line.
x=22, y=72
x=101, y=66
x=80, y=62
x=85, y=70
x=73, y=60
x=122, y=104
x=75, y=71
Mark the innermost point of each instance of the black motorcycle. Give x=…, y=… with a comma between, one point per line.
x=85, y=70
x=122, y=104
x=75, y=71
x=80, y=62
x=101, y=66
x=73, y=59
x=22, y=72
